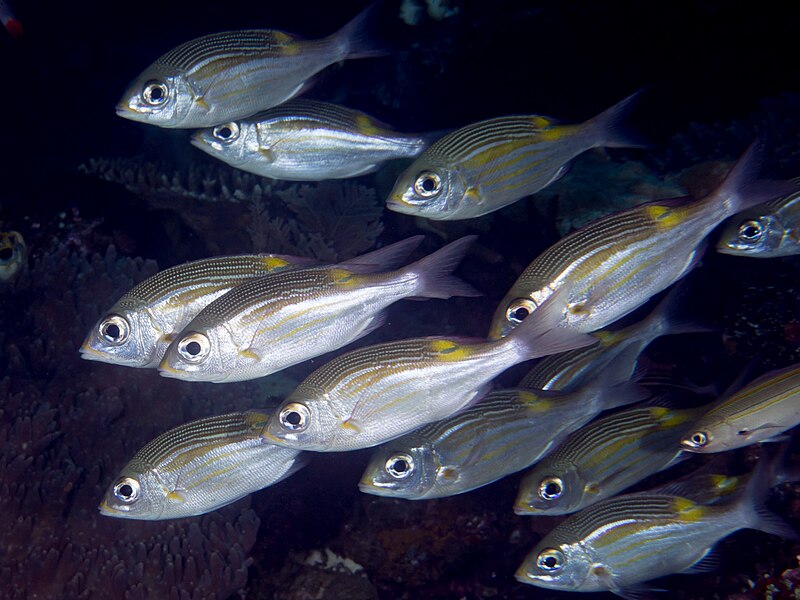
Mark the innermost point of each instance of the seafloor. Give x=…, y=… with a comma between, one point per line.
x=103, y=203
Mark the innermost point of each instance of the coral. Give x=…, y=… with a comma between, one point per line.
x=235, y=211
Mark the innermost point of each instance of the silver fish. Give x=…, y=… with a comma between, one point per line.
x=306, y=140
x=616, y=263
x=602, y=459
x=766, y=231
x=570, y=370
x=140, y=326
x=225, y=76
x=620, y=543
x=268, y=324
x=375, y=394
x=13, y=254
x=485, y=166
x=199, y=467
x=762, y=410
x=506, y=431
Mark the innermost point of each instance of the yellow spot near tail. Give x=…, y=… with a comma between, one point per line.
x=541, y=122
x=448, y=350
x=551, y=134
x=663, y=216
x=687, y=510
x=366, y=126
x=273, y=262
x=343, y=277
x=724, y=484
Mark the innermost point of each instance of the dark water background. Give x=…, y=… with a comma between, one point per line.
x=729, y=68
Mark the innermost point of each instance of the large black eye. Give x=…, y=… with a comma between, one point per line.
x=551, y=488
x=127, y=490
x=519, y=309
x=155, y=93
x=698, y=439
x=550, y=560
x=6, y=254
x=115, y=329
x=427, y=184
x=294, y=416
x=400, y=465
x=227, y=132
x=194, y=347
x=750, y=231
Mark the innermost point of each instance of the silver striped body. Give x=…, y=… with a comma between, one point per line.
x=268, y=324
x=624, y=541
x=491, y=164
x=374, y=394
x=766, y=231
x=229, y=75
x=162, y=305
x=763, y=409
x=306, y=140
x=199, y=467
x=602, y=459
x=506, y=431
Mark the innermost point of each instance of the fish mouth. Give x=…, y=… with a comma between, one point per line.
x=89, y=353
x=109, y=511
x=396, y=203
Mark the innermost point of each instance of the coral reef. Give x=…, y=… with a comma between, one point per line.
x=234, y=211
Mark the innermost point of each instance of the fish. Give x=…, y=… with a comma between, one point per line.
x=270, y=323
x=137, y=330
x=570, y=370
x=505, y=432
x=766, y=231
x=9, y=20
x=759, y=412
x=226, y=76
x=307, y=140
x=616, y=263
x=374, y=394
x=199, y=467
x=488, y=165
x=620, y=543
x=13, y=254
x=602, y=459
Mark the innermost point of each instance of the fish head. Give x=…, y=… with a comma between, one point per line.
x=233, y=142
x=199, y=354
x=720, y=435
x=428, y=188
x=304, y=421
x=161, y=96
x=751, y=235
x=550, y=489
x=124, y=336
x=137, y=493
x=13, y=254
x=557, y=563
x=400, y=471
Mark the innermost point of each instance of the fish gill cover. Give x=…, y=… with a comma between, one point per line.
x=97, y=204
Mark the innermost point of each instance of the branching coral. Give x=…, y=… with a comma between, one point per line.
x=329, y=220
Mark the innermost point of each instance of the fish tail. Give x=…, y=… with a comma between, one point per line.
x=611, y=127
x=434, y=272
x=665, y=319
x=751, y=505
x=384, y=259
x=540, y=334
x=740, y=190
x=356, y=39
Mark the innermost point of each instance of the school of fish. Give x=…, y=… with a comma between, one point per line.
x=427, y=406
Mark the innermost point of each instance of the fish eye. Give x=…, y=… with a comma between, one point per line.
x=194, y=348
x=115, y=329
x=551, y=488
x=6, y=253
x=295, y=416
x=400, y=466
x=427, y=184
x=698, y=439
x=519, y=309
x=550, y=560
x=155, y=93
x=750, y=231
x=127, y=490
x=226, y=133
